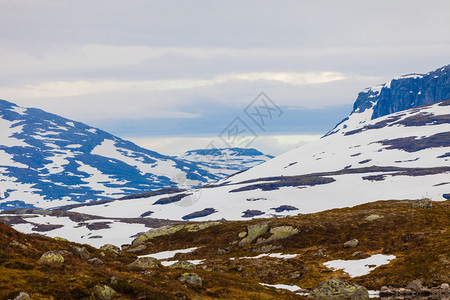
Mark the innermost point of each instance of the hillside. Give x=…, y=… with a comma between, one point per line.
x=49, y=161
x=288, y=253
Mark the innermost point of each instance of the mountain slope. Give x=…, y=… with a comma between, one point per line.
x=49, y=161
x=405, y=155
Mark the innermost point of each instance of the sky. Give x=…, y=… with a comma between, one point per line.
x=174, y=75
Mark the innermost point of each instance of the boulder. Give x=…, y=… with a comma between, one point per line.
x=278, y=233
x=351, y=244
x=103, y=292
x=183, y=265
x=253, y=232
x=415, y=285
x=338, y=289
x=110, y=247
x=51, y=257
x=146, y=263
x=81, y=252
x=190, y=278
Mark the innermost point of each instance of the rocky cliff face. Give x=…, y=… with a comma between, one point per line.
x=405, y=92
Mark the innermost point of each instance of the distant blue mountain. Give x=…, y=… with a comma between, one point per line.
x=49, y=161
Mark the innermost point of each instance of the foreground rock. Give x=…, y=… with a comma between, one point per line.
x=191, y=278
x=103, y=292
x=146, y=263
x=51, y=257
x=338, y=289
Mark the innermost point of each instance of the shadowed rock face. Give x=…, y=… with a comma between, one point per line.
x=405, y=92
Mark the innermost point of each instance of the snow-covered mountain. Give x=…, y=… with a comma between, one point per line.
x=402, y=155
x=224, y=162
x=49, y=161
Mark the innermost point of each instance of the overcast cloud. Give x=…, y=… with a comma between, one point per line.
x=152, y=70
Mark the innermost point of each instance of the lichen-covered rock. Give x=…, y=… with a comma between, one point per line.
x=200, y=226
x=146, y=263
x=138, y=248
x=191, y=278
x=22, y=296
x=253, y=232
x=279, y=233
x=319, y=253
x=338, y=289
x=373, y=217
x=110, y=247
x=242, y=234
x=183, y=265
x=422, y=203
x=51, y=257
x=170, y=229
x=266, y=248
x=351, y=244
x=60, y=239
x=104, y=292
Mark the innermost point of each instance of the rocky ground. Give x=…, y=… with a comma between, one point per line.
x=281, y=258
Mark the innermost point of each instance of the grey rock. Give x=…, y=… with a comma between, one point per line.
x=103, y=292
x=191, y=278
x=338, y=289
x=95, y=261
x=81, y=252
x=253, y=232
x=22, y=296
x=351, y=244
x=110, y=247
x=183, y=265
x=146, y=263
x=422, y=203
x=415, y=285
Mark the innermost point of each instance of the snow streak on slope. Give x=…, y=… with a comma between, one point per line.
x=405, y=155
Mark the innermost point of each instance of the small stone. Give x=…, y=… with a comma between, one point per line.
x=319, y=253
x=384, y=288
x=148, y=273
x=146, y=263
x=223, y=251
x=51, y=257
x=356, y=253
x=266, y=248
x=414, y=285
x=295, y=275
x=242, y=234
x=17, y=244
x=422, y=203
x=190, y=278
x=351, y=244
x=22, y=296
x=104, y=292
x=102, y=254
x=374, y=217
x=57, y=238
x=445, y=286
x=95, y=261
x=183, y=265
x=114, y=280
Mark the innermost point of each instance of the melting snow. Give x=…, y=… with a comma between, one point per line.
x=360, y=267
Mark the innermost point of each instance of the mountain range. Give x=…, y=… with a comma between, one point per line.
x=49, y=161
x=394, y=145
